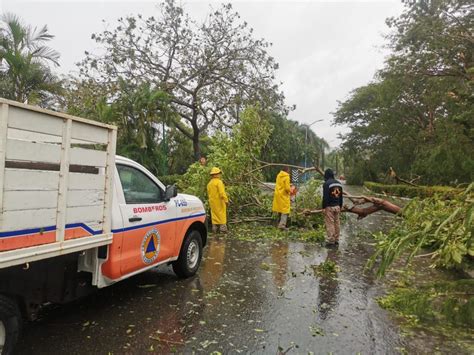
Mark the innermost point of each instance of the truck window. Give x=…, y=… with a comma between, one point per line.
x=137, y=187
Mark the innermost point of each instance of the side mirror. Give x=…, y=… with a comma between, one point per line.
x=171, y=191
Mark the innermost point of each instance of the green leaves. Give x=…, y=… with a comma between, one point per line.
x=442, y=226
x=26, y=75
x=234, y=155
x=141, y=113
x=309, y=197
x=327, y=268
x=417, y=113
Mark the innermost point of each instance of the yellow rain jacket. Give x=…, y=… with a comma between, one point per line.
x=281, y=198
x=217, y=200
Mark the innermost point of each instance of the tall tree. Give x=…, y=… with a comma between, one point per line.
x=211, y=69
x=25, y=73
x=417, y=114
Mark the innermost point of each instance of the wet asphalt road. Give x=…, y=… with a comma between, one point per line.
x=248, y=297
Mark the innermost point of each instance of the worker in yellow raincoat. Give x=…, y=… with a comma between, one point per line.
x=281, y=198
x=218, y=201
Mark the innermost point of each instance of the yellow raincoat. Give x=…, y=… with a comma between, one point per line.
x=281, y=198
x=217, y=200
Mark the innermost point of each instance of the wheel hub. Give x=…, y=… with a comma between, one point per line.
x=192, y=254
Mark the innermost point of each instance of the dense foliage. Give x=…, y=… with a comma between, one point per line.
x=140, y=113
x=242, y=173
x=291, y=143
x=235, y=156
x=442, y=225
x=418, y=114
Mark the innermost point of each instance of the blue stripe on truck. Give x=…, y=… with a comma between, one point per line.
x=27, y=231
x=156, y=223
x=90, y=230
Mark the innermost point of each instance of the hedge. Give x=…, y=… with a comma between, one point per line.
x=404, y=190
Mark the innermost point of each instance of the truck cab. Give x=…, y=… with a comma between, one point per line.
x=75, y=217
x=149, y=222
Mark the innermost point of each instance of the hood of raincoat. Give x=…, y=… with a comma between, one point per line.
x=328, y=174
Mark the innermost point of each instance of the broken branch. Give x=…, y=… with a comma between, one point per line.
x=394, y=175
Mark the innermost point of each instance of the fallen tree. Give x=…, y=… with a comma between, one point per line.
x=236, y=155
x=442, y=226
x=359, y=202
x=376, y=204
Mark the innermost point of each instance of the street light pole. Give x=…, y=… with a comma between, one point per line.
x=306, y=139
x=305, y=145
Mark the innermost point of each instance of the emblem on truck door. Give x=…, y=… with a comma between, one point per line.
x=151, y=246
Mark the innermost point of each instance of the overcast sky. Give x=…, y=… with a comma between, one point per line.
x=324, y=48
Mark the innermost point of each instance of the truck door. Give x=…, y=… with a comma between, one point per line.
x=149, y=226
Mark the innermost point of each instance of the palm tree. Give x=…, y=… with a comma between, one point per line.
x=25, y=73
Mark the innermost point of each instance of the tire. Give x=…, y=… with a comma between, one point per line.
x=10, y=324
x=190, y=255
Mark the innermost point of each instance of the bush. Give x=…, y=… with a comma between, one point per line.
x=170, y=179
x=404, y=190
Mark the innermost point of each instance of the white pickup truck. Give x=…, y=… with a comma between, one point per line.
x=76, y=217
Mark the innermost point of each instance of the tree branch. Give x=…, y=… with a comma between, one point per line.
x=394, y=175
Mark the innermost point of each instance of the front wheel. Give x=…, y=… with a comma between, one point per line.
x=190, y=255
x=10, y=324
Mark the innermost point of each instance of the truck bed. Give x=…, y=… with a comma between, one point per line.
x=56, y=174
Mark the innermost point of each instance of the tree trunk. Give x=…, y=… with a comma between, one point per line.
x=377, y=205
x=196, y=131
x=196, y=146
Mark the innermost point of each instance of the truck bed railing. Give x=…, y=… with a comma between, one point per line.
x=56, y=179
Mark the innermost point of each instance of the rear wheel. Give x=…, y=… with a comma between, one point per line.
x=190, y=255
x=10, y=324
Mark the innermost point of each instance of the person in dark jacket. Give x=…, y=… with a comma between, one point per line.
x=332, y=204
